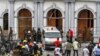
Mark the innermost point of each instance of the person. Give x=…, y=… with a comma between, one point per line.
x=75, y=47
x=95, y=47
x=24, y=51
x=61, y=32
x=57, y=51
x=67, y=35
x=64, y=47
x=10, y=34
x=57, y=42
x=29, y=37
x=90, y=47
x=70, y=34
x=25, y=32
x=34, y=34
x=85, y=51
x=97, y=51
x=98, y=43
x=40, y=47
x=68, y=48
x=30, y=44
x=35, y=47
x=39, y=35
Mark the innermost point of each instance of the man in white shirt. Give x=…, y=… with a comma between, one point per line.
x=57, y=51
x=75, y=47
x=85, y=51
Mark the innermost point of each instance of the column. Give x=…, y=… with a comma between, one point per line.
x=66, y=20
x=40, y=15
x=97, y=27
x=35, y=15
x=1, y=22
x=11, y=15
x=98, y=19
x=72, y=16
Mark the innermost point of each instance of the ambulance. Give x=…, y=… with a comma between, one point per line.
x=50, y=35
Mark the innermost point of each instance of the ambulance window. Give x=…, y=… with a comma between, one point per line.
x=52, y=34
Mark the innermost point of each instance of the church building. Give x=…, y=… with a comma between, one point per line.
x=82, y=16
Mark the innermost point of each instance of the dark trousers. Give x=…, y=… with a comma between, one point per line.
x=75, y=52
x=67, y=52
x=71, y=39
x=90, y=54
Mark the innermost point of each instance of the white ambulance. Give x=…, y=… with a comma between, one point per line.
x=50, y=35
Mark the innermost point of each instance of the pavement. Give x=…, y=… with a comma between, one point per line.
x=51, y=52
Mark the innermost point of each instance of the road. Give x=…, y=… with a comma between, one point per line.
x=51, y=52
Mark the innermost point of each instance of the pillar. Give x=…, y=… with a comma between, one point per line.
x=11, y=15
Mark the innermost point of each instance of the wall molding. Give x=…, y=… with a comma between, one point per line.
x=53, y=6
x=83, y=8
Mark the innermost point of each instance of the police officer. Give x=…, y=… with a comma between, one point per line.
x=25, y=32
x=34, y=34
x=38, y=35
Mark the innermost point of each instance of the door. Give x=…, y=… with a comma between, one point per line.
x=54, y=18
x=85, y=24
x=24, y=21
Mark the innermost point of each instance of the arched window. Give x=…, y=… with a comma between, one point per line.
x=5, y=21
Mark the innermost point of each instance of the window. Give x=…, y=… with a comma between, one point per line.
x=5, y=21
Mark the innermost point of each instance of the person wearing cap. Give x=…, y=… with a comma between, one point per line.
x=24, y=41
x=24, y=51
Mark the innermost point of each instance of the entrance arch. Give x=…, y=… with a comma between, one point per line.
x=85, y=25
x=24, y=21
x=54, y=18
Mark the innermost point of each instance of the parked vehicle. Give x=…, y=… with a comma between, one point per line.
x=50, y=35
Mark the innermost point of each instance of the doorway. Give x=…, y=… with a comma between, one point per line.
x=85, y=25
x=54, y=18
x=24, y=21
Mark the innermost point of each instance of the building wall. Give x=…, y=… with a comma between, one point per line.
x=52, y=5
x=18, y=5
x=47, y=5
x=85, y=5
x=3, y=9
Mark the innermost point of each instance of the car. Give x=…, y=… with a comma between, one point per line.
x=50, y=35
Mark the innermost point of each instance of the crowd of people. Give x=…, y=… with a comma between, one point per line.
x=32, y=45
x=30, y=48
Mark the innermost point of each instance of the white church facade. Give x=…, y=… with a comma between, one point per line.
x=78, y=15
